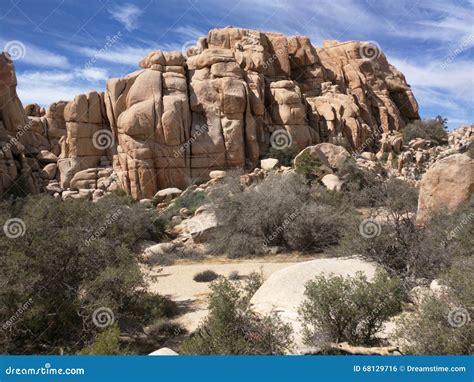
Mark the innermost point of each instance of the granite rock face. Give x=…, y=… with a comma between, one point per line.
x=235, y=95
x=239, y=92
x=19, y=138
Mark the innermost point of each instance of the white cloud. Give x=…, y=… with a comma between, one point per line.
x=455, y=77
x=93, y=74
x=34, y=55
x=447, y=87
x=127, y=14
x=190, y=32
x=123, y=54
x=45, y=87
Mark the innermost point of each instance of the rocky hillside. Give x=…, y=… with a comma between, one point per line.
x=235, y=95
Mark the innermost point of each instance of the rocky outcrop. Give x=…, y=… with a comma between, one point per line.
x=447, y=184
x=19, y=170
x=88, y=141
x=237, y=94
x=240, y=92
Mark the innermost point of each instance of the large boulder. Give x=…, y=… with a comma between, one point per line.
x=448, y=183
x=283, y=292
x=335, y=155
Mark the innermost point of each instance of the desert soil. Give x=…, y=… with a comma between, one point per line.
x=176, y=281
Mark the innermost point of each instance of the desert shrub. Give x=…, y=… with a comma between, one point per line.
x=364, y=188
x=410, y=251
x=105, y=343
x=250, y=285
x=309, y=167
x=18, y=188
x=234, y=275
x=349, y=309
x=285, y=156
x=190, y=200
x=73, y=260
x=431, y=129
x=231, y=328
x=281, y=210
x=470, y=150
x=428, y=331
x=205, y=276
x=442, y=322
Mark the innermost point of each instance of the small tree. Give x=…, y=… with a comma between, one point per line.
x=74, y=262
x=431, y=129
x=349, y=309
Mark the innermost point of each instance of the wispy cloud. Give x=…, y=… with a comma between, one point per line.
x=45, y=87
x=123, y=54
x=127, y=14
x=36, y=56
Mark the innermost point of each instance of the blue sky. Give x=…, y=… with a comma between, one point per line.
x=65, y=47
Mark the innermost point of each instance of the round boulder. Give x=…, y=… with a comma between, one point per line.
x=283, y=291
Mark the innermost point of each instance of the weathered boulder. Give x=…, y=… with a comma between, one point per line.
x=283, y=292
x=167, y=194
x=335, y=155
x=448, y=183
x=268, y=164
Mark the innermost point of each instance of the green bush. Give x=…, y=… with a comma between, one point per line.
x=205, y=276
x=231, y=328
x=310, y=167
x=281, y=210
x=73, y=260
x=351, y=309
x=105, y=343
x=285, y=156
x=432, y=129
x=427, y=330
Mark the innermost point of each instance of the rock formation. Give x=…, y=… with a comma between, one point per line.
x=446, y=184
x=237, y=94
x=17, y=137
x=239, y=91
